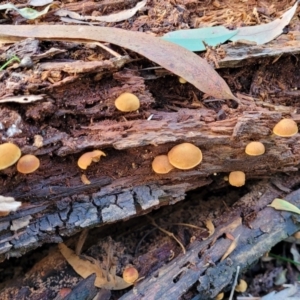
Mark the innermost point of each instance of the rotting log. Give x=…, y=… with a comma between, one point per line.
x=259, y=228
x=123, y=184
x=77, y=114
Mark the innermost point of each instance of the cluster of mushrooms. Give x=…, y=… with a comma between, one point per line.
x=187, y=156
x=10, y=154
x=184, y=156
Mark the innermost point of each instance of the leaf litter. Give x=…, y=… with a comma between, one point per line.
x=26, y=12
x=280, y=204
x=106, y=279
x=195, y=39
x=265, y=33
x=174, y=58
x=117, y=17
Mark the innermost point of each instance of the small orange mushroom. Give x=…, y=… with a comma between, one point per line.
x=87, y=158
x=242, y=286
x=127, y=102
x=255, y=148
x=130, y=274
x=285, y=128
x=9, y=155
x=28, y=164
x=237, y=178
x=161, y=164
x=185, y=156
x=182, y=80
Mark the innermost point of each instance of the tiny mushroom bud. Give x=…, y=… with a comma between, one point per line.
x=28, y=164
x=296, y=235
x=9, y=154
x=182, y=80
x=127, y=102
x=130, y=275
x=285, y=128
x=219, y=296
x=255, y=148
x=242, y=286
x=237, y=178
x=185, y=156
x=161, y=164
x=86, y=159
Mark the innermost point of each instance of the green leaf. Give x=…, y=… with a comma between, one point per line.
x=27, y=12
x=192, y=39
x=281, y=204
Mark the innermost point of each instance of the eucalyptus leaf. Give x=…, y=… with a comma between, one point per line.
x=265, y=33
x=280, y=204
x=27, y=12
x=170, y=56
x=192, y=39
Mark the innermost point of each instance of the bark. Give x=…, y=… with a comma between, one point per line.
x=256, y=227
x=77, y=114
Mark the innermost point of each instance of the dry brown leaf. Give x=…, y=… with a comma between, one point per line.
x=265, y=33
x=117, y=17
x=85, y=268
x=231, y=247
x=172, y=57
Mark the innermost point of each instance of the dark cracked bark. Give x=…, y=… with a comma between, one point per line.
x=258, y=227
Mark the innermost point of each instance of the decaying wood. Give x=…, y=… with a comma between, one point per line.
x=202, y=266
x=123, y=185
x=241, y=55
x=63, y=208
x=59, y=102
x=259, y=228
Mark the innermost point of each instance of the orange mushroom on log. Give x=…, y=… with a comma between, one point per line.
x=9, y=155
x=185, y=156
x=87, y=158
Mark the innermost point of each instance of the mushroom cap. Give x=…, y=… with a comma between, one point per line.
x=86, y=159
x=237, y=178
x=255, y=148
x=9, y=154
x=242, y=286
x=28, y=164
x=127, y=102
x=130, y=274
x=161, y=164
x=182, y=80
x=185, y=156
x=286, y=128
